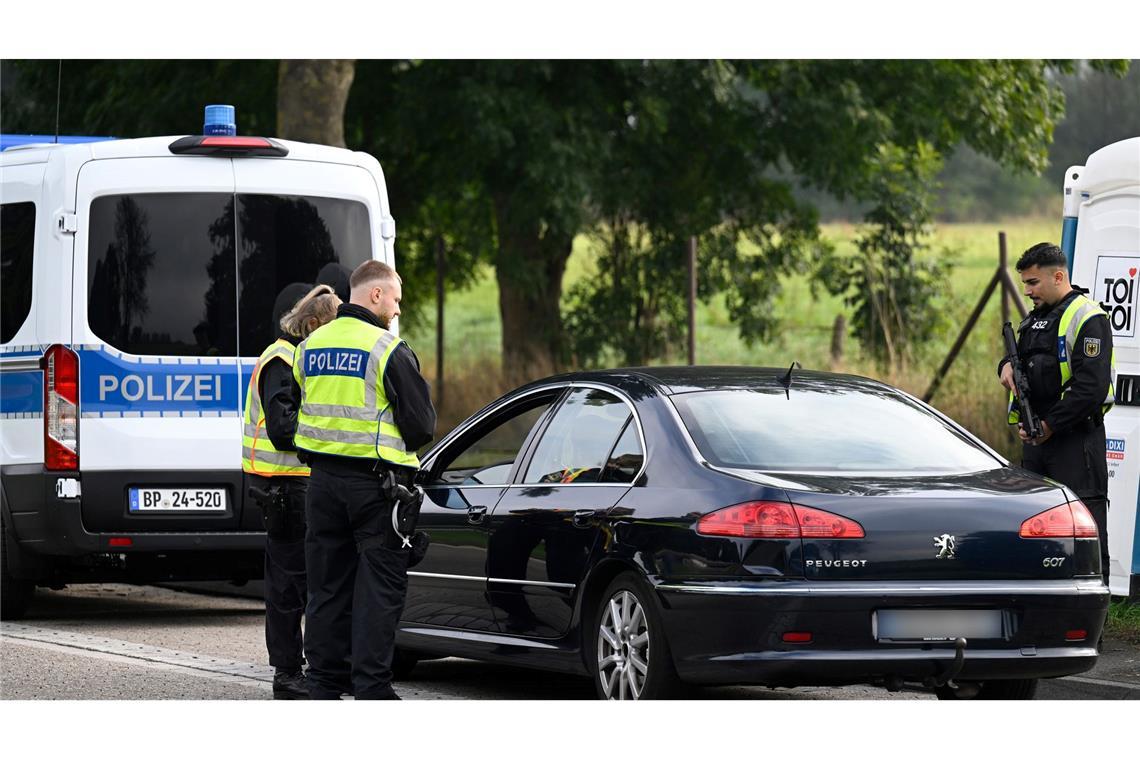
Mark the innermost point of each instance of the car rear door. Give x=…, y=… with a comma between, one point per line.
x=545, y=527
x=155, y=330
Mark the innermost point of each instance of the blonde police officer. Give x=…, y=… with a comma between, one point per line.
x=364, y=411
x=274, y=472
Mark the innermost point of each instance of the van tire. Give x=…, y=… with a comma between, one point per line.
x=15, y=593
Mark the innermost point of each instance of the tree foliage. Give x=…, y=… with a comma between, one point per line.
x=506, y=162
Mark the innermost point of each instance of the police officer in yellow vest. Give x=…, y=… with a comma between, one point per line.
x=365, y=410
x=269, y=459
x=1065, y=346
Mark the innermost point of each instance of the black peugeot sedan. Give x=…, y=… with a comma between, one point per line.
x=733, y=525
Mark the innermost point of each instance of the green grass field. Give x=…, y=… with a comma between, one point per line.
x=970, y=393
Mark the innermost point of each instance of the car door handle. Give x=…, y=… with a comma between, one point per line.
x=475, y=515
x=583, y=518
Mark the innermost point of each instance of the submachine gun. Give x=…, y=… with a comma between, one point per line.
x=1029, y=419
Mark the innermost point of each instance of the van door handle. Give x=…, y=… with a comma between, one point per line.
x=475, y=515
x=584, y=517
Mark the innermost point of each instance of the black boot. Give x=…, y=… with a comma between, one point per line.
x=287, y=685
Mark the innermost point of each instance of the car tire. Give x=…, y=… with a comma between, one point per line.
x=403, y=663
x=15, y=593
x=1014, y=688
x=630, y=659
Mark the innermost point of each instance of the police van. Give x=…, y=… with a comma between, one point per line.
x=138, y=282
x=1101, y=238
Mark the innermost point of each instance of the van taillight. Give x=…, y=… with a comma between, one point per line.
x=773, y=519
x=1071, y=520
x=61, y=409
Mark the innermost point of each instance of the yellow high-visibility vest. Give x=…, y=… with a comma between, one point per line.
x=344, y=409
x=1080, y=310
x=258, y=454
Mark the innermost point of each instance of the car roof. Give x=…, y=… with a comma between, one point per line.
x=671, y=380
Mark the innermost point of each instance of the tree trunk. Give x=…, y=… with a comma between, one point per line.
x=529, y=269
x=311, y=96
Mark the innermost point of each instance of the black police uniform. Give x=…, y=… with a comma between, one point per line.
x=285, y=581
x=357, y=574
x=1075, y=453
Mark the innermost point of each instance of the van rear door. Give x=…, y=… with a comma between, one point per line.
x=155, y=326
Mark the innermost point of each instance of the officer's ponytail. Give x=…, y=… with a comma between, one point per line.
x=316, y=308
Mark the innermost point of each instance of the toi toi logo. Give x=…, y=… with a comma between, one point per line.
x=1118, y=299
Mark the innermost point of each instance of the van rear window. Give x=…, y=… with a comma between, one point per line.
x=180, y=274
x=290, y=239
x=160, y=273
x=17, y=243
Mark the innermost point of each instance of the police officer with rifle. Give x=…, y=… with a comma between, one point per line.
x=278, y=480
x=364, y=411
x=1061, y=379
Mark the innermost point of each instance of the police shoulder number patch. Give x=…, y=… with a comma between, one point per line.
x=1092, y=347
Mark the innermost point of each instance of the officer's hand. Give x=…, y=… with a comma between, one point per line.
x=1007, y=377
x=1046, y=434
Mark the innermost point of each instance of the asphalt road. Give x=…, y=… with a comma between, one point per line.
x=115, y=641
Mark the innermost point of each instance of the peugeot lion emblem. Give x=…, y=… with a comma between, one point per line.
x=945, y=545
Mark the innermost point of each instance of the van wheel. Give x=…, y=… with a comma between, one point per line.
x=15, y=593
x=1014, y=688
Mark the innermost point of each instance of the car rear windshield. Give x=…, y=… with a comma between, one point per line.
x=821, y=427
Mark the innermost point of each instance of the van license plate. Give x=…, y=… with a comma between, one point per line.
x=937, y=625
x=178, y=500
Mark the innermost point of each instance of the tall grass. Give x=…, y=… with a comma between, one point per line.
x=969, y=394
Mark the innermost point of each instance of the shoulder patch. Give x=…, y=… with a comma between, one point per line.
x=1092, y=347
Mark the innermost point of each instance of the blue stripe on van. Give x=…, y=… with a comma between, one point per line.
x=22, y=393
x=114, y=385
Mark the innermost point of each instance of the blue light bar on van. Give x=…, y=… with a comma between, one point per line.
x=17, y=141
x=227, y=147
x=220, y=121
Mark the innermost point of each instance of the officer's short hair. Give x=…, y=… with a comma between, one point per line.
x=1042, y=255
x=372, y=270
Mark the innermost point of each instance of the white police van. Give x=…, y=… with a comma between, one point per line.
x=138, y=282
x=1101, y=237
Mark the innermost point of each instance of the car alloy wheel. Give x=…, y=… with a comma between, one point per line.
x=623, y=647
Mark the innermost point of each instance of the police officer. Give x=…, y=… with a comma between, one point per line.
x=1065, y=346
x=365, y=409
x=272, y=468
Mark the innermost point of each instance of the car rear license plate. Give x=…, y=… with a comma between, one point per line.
x=178, y=500
x=937, y=625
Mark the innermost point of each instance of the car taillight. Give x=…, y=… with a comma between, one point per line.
x=61, y=409
x=1084, y=524
x=1065, y=521
x=771, y=519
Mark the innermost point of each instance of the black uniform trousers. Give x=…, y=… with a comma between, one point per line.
x=1077, y=459
x=286, y=588
x=357, y=586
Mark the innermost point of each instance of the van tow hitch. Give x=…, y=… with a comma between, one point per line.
x=947, y=678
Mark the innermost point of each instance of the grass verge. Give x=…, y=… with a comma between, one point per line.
x=1124, y=621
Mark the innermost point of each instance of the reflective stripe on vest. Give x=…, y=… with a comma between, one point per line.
x=1081, y=310
x=1076, y=314
x=344, y=408
x=258, y=454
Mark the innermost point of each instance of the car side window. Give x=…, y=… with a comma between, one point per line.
x=575, y=446
x=627, y=457
x=488, y=458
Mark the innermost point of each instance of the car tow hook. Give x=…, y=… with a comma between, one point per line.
x=947, y=678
